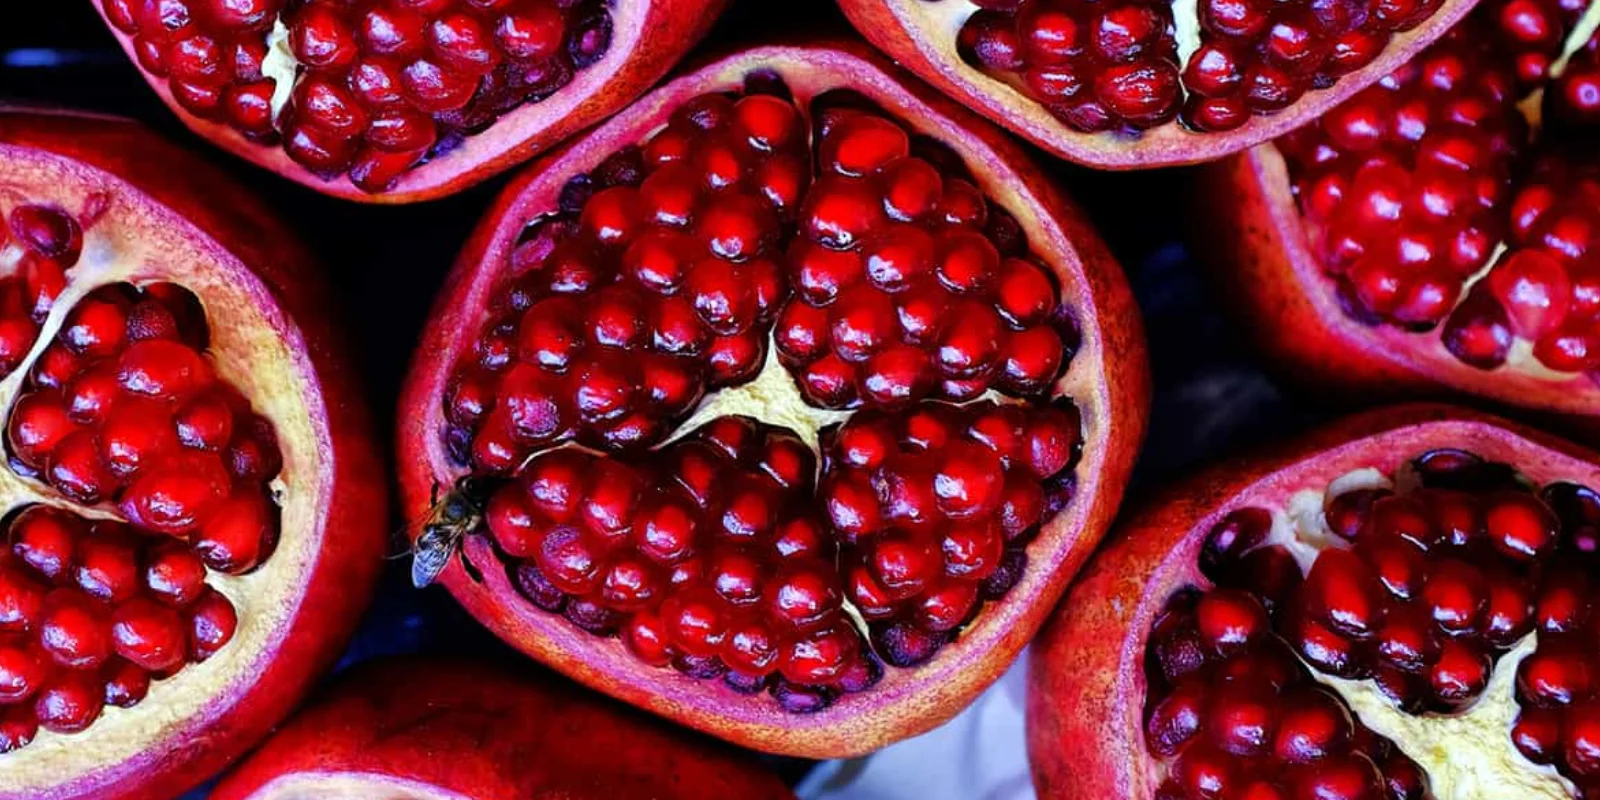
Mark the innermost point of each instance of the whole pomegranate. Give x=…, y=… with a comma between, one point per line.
x=400, y=100
x=1400, y=606
x=1442, y=228
x=189, y=529
x=789, y=373
x=1128, y=84
x=421, y=728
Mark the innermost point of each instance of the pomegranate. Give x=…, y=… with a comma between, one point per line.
x=783, y=404
x=1439, y=230
x=400, y=100
x=1138, y=84
x=1396, y=607
x=420, y=728
x=188, y=527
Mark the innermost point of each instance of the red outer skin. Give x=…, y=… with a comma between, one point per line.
x=659, y=34
x=1255, y=240
x=1109, y=380
x=1086, y=685
x=902, y=29
x=241, y=236
x=473, y=731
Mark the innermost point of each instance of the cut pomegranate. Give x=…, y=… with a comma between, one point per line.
x=400, y=100
x=1146, y=84
x=1439, y=229
x=1445, y=649
x=180, y=453
x=418, y=728
x=790, y=374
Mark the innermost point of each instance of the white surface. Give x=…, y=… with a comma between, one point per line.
x=979, y=755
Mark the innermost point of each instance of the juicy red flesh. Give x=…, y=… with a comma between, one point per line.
x=381, y=85
x=1104, y=67
x=123, y=411
x=736, y=551
x=1409, y=188
x=1433, y=587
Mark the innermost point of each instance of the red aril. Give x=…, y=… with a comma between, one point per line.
x=1452, y=690
x=411, y=728
x=775, y=500
x=1146, y=84
x=1438, y=230
x=393, y=101
x=150, y=287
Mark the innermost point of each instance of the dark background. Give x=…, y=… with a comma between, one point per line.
x=385, y=264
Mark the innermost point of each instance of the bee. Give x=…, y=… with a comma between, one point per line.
x=450, y=520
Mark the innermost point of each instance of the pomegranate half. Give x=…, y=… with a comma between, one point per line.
x=189, y=499
x=1441, y=230
x=395, y=101
x=425, y=729
x=788, y=372
x=1138, y=84
x=1399, y=606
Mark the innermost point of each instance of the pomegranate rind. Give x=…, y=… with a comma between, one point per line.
x=648, y=37
x=1255, y=240
x=1086, y=680
x=172, y=217
x=457, y=729
x=918, y=40
x=1108, y=380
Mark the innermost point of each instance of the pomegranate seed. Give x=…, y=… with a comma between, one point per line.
x=212, y=621
x=23, y=669
x=73, y=631
x=174, y=575
x=126, y=684
x=70, y=702
x=149, y=635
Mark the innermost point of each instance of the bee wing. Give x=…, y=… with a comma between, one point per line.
x=429, y=556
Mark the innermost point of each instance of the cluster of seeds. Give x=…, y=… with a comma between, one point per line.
x=90, y=613
x=655, y=281
x=934, y=506
x=908, y=283
x=381, y=85
x=712, y=562
x=1404, y=187
x=125, y=407
x=1411, y=187
x=1423, y=595
x=43, y=242
x=890, y=285
x=1231, y=712
x=1099, y=66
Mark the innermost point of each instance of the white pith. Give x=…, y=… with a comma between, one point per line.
x=281, y=66
x=131, y=243
x=349, y=786
x=1468, y=755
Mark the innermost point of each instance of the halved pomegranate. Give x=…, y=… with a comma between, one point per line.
x=1400, y=606
x=790, y=371
x=189, y=527
x=1136, y=84
x=420, y=728
x=396, y=101
x=1441, y=229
